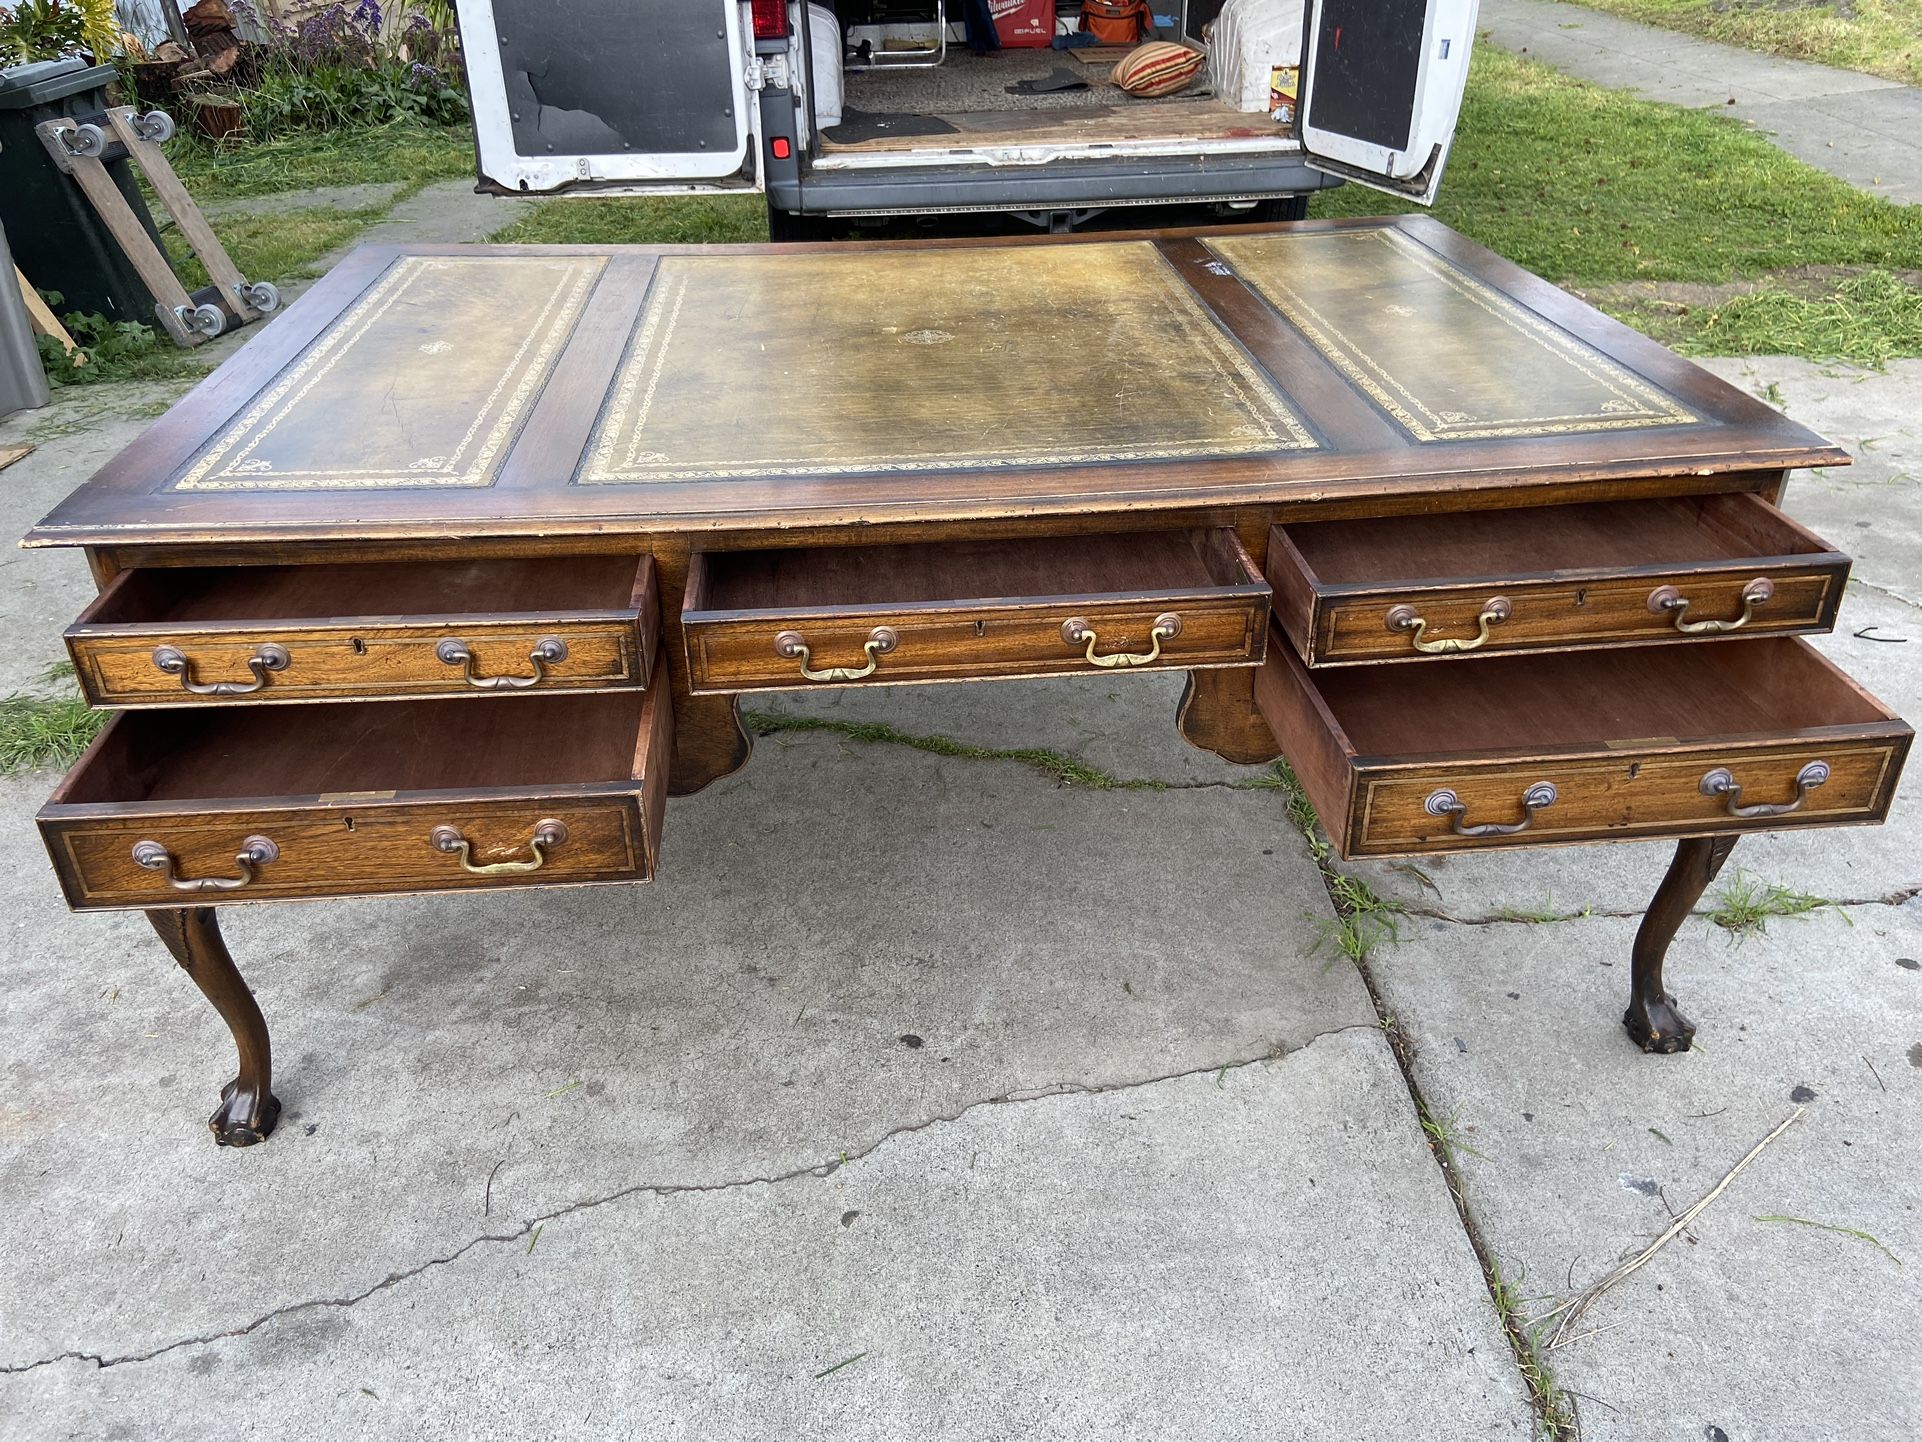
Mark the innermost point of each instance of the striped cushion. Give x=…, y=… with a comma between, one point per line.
x=1157, y=68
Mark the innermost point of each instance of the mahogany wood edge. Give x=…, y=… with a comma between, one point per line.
x=1001, y=605
x=645, y=604
x=556, y=431
x=226, y=389
x=85, y=907
x=629, y=615
x=373, y=537
x=1344, y=593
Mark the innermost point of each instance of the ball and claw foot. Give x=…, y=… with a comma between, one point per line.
x=243, y=1119
x=1657, y=1026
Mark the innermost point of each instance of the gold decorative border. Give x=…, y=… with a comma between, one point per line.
x=471, y=463
x=1637, y=405
x=616, y=454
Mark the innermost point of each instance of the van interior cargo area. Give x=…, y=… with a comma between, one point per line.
x=1015, y=97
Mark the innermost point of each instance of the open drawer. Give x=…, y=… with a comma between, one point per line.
x=958, y=610
x=1615, y=745
x=195, y=635
x=169, y=808
x=1616, y=573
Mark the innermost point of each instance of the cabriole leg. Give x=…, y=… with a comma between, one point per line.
x=248, y=1108
x=1652, y=1017
x=1218, y=714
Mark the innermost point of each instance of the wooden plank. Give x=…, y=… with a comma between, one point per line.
x=10, y=454
x=45, y=322
x=180, y=205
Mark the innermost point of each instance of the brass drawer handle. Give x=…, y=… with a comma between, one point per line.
x=255, y=851
x=547, y=835
x=268, y=657
x=1446, y=803
x=547, y=651
x=1721, y=782
x=1758, y=592
x=1407, y=618
x=1077, y=632
x=881, y=640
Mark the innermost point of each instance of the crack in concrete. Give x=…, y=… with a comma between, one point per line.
x=1891, y=593
x=669, y=1189
x=1434, y=913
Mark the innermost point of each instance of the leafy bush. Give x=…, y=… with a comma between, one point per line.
x=343, y=67
x=113, y=350
x=54, y=29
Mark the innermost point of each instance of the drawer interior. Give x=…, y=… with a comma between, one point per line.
x=1522, y=702
x=241, y=594
x=1613, y=535
x=315, y=750
x=942, y=572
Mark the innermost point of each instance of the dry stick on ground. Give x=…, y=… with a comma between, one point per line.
x=1572, y=1310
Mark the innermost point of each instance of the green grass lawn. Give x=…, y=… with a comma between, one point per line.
x=1623, y=199
x=411, y=154
x=1881, y=37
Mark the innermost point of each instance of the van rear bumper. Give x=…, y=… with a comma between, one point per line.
x=1059, y=185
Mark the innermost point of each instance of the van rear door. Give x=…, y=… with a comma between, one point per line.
x=1381, y=89
x=620, y=96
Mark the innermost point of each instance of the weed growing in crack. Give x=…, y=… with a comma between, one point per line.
x=1443, y=1133
x=1745, y=905
x=1362, y=920
x=1546, y=912
x=1552, y=1400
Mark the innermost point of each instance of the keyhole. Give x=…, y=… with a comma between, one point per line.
x=360, y=646
x=348, y=822
x=980, y=628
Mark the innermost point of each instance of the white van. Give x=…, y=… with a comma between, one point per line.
x=843, y=110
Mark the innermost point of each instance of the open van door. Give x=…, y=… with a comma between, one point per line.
x=647, y=97
x=1381, y=88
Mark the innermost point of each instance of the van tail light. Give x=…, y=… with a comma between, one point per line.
x=770, y=19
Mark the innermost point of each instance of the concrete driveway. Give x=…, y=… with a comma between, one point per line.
x=923, y=1096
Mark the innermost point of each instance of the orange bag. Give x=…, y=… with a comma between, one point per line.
x=1117, y=22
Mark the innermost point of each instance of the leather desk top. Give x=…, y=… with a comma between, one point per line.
x=537, y=391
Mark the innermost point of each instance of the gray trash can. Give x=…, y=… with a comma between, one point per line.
x=58, y=239
x=23, y=384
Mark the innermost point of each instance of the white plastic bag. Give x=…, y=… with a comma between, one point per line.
x=1250, y=40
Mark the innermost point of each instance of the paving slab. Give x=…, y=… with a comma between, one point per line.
x=323, y=197
x=815, y=976
x=1214, y=1258
x=446, y=212
x=1861, y=128
x=1583, y=1148
x=1871, y=508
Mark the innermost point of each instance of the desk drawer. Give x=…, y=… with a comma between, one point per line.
x=1610, y=746
x=170, y=808
x=959, y=610
x=1407, y=588
x=198, y=636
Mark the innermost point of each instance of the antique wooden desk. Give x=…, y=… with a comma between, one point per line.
x=451, y=575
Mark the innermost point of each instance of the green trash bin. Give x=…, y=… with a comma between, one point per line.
x=58, y=240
